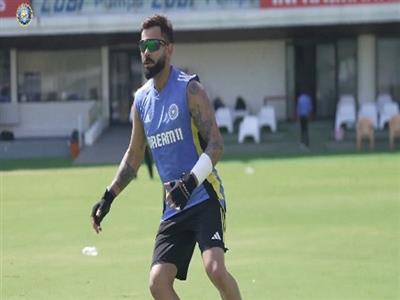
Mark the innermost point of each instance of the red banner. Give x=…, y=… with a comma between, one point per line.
x=311, y=3
x=8, y=8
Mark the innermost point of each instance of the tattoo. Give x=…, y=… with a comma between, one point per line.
x=204, y=123
x=193, y=87
x=124, y=175
x=214, y=150
x=204, y=119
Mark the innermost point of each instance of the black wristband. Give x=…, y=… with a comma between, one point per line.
x=109, y=196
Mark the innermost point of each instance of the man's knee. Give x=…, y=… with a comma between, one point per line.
x=216, y=272
x=160, y=280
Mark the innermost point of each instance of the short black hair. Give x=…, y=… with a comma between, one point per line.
x=162, y=22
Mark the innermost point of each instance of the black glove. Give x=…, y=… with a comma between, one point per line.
x=101, y=209
x=179, y=191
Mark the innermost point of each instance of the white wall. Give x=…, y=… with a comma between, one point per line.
x=250, y=69
x=50, y=119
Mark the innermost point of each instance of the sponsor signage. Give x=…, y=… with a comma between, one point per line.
x=50, y=7
x=311, y=3
x=8, y=8
x=88, y=7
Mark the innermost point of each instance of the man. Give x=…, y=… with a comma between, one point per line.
x=173, y=113
x=304, y=110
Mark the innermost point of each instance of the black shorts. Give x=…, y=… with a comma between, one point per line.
x=177, y=236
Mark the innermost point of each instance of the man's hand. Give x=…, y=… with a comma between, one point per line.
x=101, y=209
x=179, y=191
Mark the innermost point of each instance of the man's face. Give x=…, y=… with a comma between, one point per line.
x=155, y=51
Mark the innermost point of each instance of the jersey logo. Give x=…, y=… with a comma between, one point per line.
x=173, y=111
x=165, y=138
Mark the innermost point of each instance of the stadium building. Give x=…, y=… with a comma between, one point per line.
x=77, y=63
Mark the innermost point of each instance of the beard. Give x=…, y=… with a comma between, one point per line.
x=150, y=72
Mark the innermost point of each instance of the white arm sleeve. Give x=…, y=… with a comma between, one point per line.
x=202, y=168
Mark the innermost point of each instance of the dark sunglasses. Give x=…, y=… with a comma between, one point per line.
x=151, y=44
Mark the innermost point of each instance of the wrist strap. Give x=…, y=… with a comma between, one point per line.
x=109, y=195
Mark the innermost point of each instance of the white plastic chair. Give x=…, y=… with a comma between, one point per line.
x=369, y=110
x=382, y=100
x=224, y=118
x=389, y=110
x=239, y=113
x=266, y=117
x=345, y=114
x=347, y=99
x=249, y=127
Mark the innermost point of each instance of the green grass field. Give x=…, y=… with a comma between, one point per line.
x=298, y=228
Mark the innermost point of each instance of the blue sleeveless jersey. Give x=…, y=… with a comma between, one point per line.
x=173, y=137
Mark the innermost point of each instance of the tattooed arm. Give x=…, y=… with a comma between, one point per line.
x=204, y=118
x=126, y=172
x=133, y=157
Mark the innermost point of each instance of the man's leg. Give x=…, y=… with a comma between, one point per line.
x=304, y=131
x=214, y=263
x=161, y=281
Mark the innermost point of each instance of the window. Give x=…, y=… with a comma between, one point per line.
x=347, y=67
x=65, y=75
x=125, y=79
x=5, y=90
x=389, y=67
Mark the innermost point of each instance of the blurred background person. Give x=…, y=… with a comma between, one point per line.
x=304, y=110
